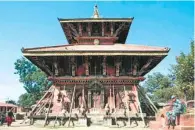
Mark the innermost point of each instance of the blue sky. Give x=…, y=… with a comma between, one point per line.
x=34, y=24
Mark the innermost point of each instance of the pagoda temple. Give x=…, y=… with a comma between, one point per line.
x=96, y=69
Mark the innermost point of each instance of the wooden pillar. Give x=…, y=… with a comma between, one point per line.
x=112, y=28
x=89, y=99
x=135, y=66
x=102, y=98
x=102, y=28
x=114, y=97
x=86, y=66
x=104, y=65
x=80, y=29
x=110, y=97
x=55, y=64
x=89, y=29
x=73, y=65
x=117, y=63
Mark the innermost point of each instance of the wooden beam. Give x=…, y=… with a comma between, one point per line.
x=73, y=94
x=119, y=29
x=41, y=99
x=49, y=108
x=41, y=63
x=148, y=63
x=74, y=31
x=139, y=105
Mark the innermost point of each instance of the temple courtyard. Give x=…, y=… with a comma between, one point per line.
x=17, y=126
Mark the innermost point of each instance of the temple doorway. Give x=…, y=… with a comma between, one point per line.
x=96, y=91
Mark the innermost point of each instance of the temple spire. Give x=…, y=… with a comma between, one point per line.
x=96, y=13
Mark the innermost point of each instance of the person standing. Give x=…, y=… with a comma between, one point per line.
x=9, y=118
x=3, y=115
x=175, y=112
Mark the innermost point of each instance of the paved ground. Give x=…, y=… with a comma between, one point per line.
x=17, y=126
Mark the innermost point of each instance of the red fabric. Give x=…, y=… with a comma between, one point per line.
x=80, y=71
x=9, y=120
x=110, y=71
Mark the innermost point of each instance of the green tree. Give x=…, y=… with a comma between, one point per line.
x=184, y=72
x=34, y=81
x=157, y=81
x=11, y=102
x=160, y=87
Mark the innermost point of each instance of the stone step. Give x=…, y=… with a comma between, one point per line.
x=155, y=125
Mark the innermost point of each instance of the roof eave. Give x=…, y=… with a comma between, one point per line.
x=96, y=20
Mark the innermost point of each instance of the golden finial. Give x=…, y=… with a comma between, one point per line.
x=96, y=13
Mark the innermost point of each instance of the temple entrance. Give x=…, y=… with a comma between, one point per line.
x=95, y=95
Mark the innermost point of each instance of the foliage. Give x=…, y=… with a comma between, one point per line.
x=157, y=81
x=160, y=87
x=28, y=99
x=184, y=72
x=11, y=102
x=34, y=80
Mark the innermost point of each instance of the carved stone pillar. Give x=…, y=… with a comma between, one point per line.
x=102, y=98
x=104, y=66
x=86, y=66
x=73, y=65
x=89, y=99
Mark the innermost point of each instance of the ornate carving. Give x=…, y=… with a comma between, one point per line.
x=42, y=64
x=112, y=28
x=135, y=67
x=89, y=99
x=102, y=28
x=86, y=66
x=80, y=29
x=104, y=66
x=102, y=98
x=74, y=31
x=89, y=29
x=73, y=65
x=145, y=67
x=117, y=64
x=119, y=29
